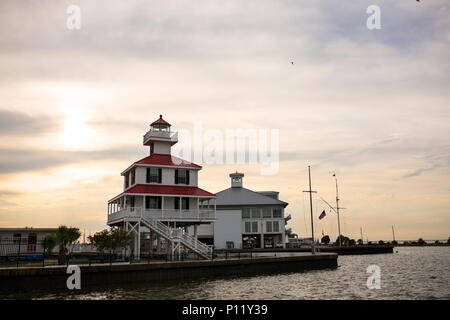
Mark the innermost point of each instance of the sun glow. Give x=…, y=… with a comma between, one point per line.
x=76, y=134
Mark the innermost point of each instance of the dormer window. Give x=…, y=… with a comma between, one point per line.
x=181, y=176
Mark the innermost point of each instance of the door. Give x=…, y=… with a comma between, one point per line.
x=32, y=240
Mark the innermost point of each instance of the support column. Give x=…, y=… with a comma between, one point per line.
x=151, y=242
x=198, y=207
x=195, y=234
x=139, y=241
x=158, y=244
x=262, y=234
x=169, y=250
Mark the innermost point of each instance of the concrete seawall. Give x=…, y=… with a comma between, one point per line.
x=353, y=250
x=29, y=279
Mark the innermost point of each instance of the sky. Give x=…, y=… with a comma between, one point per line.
x=371, y=106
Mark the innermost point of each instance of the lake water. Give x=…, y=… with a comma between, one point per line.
x=409, y=273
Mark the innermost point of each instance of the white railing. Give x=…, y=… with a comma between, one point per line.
x=163, y=214
x=173, y=136
x=179, y=234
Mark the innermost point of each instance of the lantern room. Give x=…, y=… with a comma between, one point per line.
x=160, y=135
x=160, y=125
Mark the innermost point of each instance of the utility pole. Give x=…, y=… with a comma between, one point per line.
x=313, y=251
x=393, y=234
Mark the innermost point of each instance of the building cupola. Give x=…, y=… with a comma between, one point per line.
x=160, y=125
x=236, y=179
x=159, y=138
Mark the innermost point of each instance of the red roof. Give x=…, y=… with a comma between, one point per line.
x=167, y=190
x=167, y=160
x=160, y=121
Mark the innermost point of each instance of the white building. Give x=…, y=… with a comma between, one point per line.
x=23, y=240
x=246, y=218
x=161, y=199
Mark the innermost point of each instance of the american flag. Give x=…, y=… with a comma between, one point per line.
x=322, y=215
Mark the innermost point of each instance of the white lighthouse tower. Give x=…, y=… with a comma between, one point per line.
x=161, y=197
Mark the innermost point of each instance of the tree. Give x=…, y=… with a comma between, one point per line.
x=360, y=242
x=448, y=241
x=65, y=237
x=110, y=240
x=49, y=243
x=351, y=242
x=394, y=242
x=381, y=242
x=345, y=241
x=421, y=242
x=325, y=239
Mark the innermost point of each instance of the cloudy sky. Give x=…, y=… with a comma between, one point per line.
x=370, y=105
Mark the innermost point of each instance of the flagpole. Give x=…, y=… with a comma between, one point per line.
x=337, y=208
x=313, y=250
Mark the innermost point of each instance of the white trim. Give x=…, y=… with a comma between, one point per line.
x=157, y=166
x=159, y=195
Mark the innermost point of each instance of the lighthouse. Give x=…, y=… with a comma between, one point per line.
x=161, y=199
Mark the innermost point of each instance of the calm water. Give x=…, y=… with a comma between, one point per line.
x=412, y=273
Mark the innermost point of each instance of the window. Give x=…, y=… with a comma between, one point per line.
x=17, y=238
x=268, y=226
x=127, y=180
x=245, y=213
x=276, y=226
x=247, y=227
x=266, y=213
x=256, y=213
x=133, y=176
x=276, y=212
x=184, y=203
x=181, y=176
x=152, y=148
x=254, y=226
x=154, y=175
x=152, y=202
